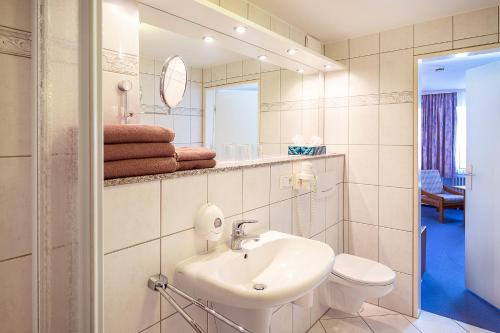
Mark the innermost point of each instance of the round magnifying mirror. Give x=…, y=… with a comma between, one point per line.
x=173, y=81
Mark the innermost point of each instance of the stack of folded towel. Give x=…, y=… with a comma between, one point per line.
x=194, y=158
x=138, y=150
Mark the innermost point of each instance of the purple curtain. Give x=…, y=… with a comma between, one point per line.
x=439, y=122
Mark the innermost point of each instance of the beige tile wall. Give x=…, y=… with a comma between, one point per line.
x=15, y=165
x=148, y=228
x=186, y=119
x=369, y=116
x=290, y=103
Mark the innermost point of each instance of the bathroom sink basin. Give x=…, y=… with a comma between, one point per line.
x=277, y=269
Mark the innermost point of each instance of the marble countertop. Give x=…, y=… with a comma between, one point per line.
x=220, y=167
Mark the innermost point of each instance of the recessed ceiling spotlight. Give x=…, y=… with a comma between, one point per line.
x=328, y=66
x=208, y=39
x=461, y=55
x=292, y=51
x=240, y=29
x=262, y=57
x=300, y=70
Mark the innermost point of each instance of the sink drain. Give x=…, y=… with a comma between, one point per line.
x=259, y=286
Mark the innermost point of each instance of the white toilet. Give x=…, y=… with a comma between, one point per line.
x=355, y=280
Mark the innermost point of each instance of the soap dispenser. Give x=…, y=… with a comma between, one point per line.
x=209, y=222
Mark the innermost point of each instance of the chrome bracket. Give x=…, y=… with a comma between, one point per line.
x=160, y=284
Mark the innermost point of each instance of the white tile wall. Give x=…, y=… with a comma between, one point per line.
x=363, y=124
x=363, y=46
x=226, y=191
x=257, y=15
x=178, y=213
x=270, y=124
x=396, y=71
x=15, y=171
x=363, y=164
x=400, y=298
x=236, y=6
x=396, y=166
x=338, y=51
x=16, y=115
x=15, y=200
x=363, y=205
x=433, y=32
x=396, y=208
x=252, y=193
x=132, y=267
x=134, y=211
x=15, y=288
x=270, y=87
x=256, y=187
x=363, y=240
x=396, y=124
x=478, y=23
x=396, y=39
x=364, y=75
x=280, y=213
x=336, y=125
x=395, y=249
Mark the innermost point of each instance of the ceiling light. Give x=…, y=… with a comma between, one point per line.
x=262, y=57
x=328, y=66
x=208, y=39
x=240, y=29
x=461, y=55
x=292, y=51
x=300, y=70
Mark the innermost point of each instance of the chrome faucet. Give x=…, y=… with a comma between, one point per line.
x=239, y=235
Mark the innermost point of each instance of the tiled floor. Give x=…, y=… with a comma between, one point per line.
x=374, y=319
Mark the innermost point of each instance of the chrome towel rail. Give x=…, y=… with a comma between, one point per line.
x=160, y=283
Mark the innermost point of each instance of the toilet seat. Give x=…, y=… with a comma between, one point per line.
x=362, y=271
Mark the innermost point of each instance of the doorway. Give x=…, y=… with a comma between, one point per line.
x=235, y=109
x=457, y=218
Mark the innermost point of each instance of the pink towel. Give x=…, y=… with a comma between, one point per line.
x=132, y=133
x=139, y=167
x=195, y=164
x=127, y=151
x=192, y=154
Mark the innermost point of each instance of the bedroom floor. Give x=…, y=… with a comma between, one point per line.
x=443, y=285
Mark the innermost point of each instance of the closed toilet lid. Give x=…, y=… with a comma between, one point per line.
x=361, y=270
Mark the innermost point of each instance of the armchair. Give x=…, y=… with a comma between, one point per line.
x=435, y=194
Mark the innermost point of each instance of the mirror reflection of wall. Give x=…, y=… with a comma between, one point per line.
x=285, y=103
x=156, y=45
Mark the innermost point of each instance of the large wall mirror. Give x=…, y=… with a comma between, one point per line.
x=243, y=107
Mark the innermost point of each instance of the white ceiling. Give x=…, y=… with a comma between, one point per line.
x=455, y=68
x=335, y=20
x=155, y=42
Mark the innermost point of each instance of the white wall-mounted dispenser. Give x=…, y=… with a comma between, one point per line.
x=306, y=178
x=209, y=222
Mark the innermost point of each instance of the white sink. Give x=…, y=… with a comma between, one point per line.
x=286, y=266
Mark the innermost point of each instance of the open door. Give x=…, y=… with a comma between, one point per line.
x=482, y=204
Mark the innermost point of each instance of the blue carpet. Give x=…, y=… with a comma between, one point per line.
x=443, y=286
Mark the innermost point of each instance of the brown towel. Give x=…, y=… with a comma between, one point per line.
x=139, y=167
x=192, y=154
x=195, y=164
x=127, y=151
x=114, y=133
